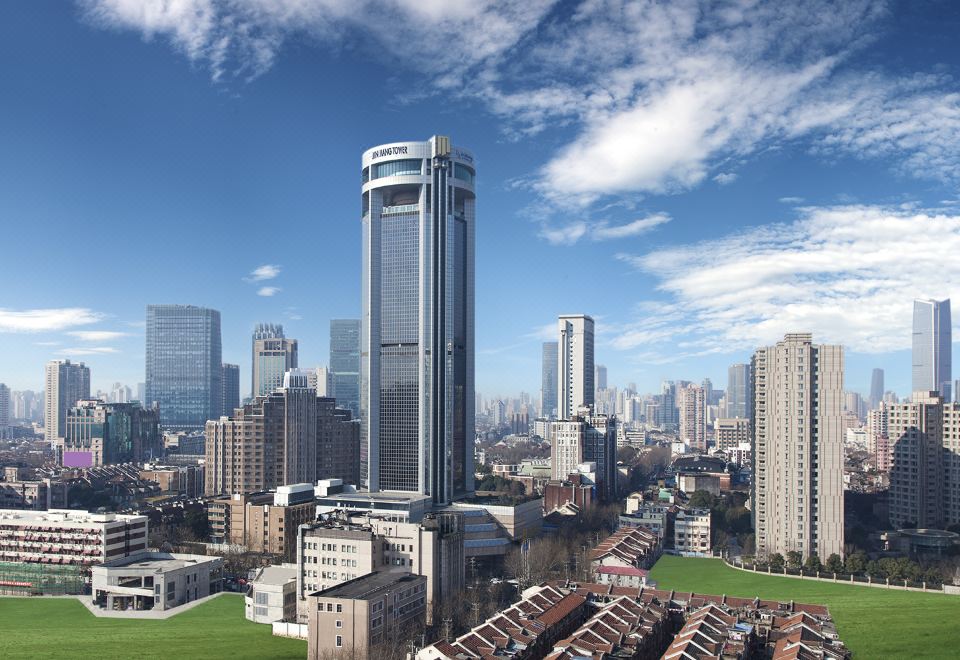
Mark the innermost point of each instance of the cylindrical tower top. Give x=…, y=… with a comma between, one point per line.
x=438, y=146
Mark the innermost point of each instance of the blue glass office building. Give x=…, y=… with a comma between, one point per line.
x=184, y=368
x=345, y=363
x=417, y=328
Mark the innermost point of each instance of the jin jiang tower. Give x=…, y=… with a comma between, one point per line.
x=417, y=326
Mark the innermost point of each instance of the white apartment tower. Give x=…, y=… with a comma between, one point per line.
x=575, y=367
x=418, y=208
x=798, y=447
x=65, y=383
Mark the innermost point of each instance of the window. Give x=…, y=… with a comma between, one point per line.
x=339, y=623
x=397, y=167
x=339, y=607
x=339, y=641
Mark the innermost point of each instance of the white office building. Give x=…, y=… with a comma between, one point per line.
x=575, y=366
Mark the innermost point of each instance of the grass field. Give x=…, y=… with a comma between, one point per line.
x=873, y=623
x=63, y=628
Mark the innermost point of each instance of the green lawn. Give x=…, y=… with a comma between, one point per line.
x=63, y=628
x=873, y=623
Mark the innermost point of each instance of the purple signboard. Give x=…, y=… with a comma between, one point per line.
x=77, y=459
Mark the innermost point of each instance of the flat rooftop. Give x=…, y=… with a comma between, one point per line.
x=63, y=517
x=382, y=496
x=159, y=561
x=368, y=586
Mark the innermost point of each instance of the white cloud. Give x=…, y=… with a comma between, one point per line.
x=46, y=320
x=265, y=272
x=96, y=335
x=601, y=231
x=268, y=291
x=791, y=200
x=725, y=178
x=848, y=274
x=88, y=350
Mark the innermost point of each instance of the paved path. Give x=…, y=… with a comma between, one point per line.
x=87, y=602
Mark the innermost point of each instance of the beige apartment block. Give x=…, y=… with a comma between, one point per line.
x=691, y=400
x=354, y=617
x=730, y=432
x=798, y=447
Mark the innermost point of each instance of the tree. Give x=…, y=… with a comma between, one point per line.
x=834, y=563
x=776, y=561
x=813, y=562
x=793, y=559
x=856, y=563
x=701, y=499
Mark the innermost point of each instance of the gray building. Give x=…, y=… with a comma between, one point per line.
x=548, y=381
x=272, y=359
x=797, y=442
x=66, y=383
x=876, y=388
x=261, y=331
x=96, y=433
x=155, y=581
x=230, y=376
x=932, y=347
x=575, y=365
x=345, y=363
x=417, y=399
x=738, y=391
x=4, y=410
x=184, y=366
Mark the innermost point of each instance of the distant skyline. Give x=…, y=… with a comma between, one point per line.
x=698, y=179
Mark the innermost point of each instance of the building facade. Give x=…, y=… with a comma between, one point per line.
x=729, y=433
x=97, y=433
x=4, y=410
x=932, y=347
x=261, y=331
x=738, y=399
x=575, y=365
x=417, y=399
x=797, y=492
x=272, y=359
x=345, y=363
x=586, y=438
x=230, y=377
x=263, y=522
x=548, y=380
x=183, y=364
x=66, y=383
x=691, y=532
x=692, y=403
x=155, y=581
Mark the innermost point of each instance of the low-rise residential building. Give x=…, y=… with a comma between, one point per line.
x=624, y=557
x=36, y=494
x=691, y=483
x=653, y=515
x=69, y=537
x=155, y=581
x=691, y=532
x=527, y=630
x=731, y=432
x=182, y=480
x=335, y=495
x=263, y=522
x=353, y=618
x=621, y=628
x=272, y=595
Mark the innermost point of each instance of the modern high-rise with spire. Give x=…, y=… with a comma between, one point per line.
x=418, y=208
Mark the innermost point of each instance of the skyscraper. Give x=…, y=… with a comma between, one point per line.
x=184, y=367
x=417, y=332
x=876, y=388
x=575, y=367
x=548, y=380
x=231, y=388
x=4, y=410
x=96, y=433
x=797, y=491
x=932, y=348
x=261, y=331
x=345, y=363
x=738, y=391
x=692, y=403
x=272, y=359
x=600, y=377
x=66, y=383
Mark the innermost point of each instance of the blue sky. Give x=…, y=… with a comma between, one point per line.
x=701, y=177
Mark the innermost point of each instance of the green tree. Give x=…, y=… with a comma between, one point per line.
x=794, y=559
x=834, y=563
x=776, y=561
x=856, y=563
x=813, y=562
x=701, y=499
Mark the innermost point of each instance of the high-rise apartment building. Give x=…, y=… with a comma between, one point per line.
x=65, y=384
x=230, y=377
x=345, y=363
x=738, y=391
x=876, y=388
x=548, y=380
x=586, y=437
x=272, y=359
x=878, y=436
x=284, y=437
x=932, y=347
x=418, y=210
x=916, y=432
x=575, y=366
x=797, y=492
x=692, y=403
x=184, y=366
x=96, y=433
x=4, y=410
